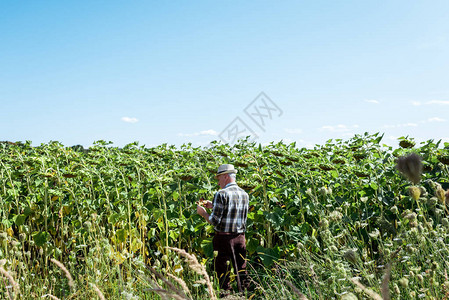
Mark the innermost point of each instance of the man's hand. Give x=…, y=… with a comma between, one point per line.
x=201, y=210
x=205, y=203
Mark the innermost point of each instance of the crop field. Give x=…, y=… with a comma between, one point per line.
x=339, y=221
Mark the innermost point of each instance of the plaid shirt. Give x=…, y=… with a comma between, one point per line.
x=230, y=209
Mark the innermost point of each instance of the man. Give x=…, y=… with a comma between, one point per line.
x=229, y=213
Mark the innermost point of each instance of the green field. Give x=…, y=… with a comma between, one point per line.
x=321, y=220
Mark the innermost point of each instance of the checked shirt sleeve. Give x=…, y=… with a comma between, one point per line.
x=218, y=208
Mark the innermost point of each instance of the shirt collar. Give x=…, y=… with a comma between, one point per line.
x=231, y=183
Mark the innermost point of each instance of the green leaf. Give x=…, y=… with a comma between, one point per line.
x=114, y=218
x=27, y=211
x=252, y=244
x=268, y=256
x=121, y=235
x=40, y=238
x=136, y=244
x=19, y=219
x=173, y=234
x=207, y=247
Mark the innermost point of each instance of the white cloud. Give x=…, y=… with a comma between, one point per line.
x=429, y=120
x=339, y=128
x=436, y=119
x=408, y=125
x=431, y=102
x=439, y=102
x=293, y=130
x=130, y=120
x=401, y=125
x=209, y=132
x=392, y=138
x=372, y=101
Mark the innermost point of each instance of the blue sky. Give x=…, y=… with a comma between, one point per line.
x=182, y=71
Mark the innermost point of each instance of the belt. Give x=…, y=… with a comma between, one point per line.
x=227, y=233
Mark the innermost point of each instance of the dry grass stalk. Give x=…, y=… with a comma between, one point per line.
x=384, y=290
x=445, y=286
x=11, y=280
x=97, y=290
x=161, y=293
x=181, y=282
x=50, y=296
x=411, y=167
x=174, y=289
x=369, y=292
x=316, y=281
x=66, y=272
x=158, y=288
x=295, y=290
x=198, y=268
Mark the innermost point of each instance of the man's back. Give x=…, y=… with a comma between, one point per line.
x=230, y=209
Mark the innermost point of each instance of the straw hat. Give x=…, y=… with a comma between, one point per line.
x=226, y=169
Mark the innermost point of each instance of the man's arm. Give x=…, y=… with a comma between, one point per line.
x=202, y=212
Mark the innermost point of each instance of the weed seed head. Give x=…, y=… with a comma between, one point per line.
x=413, y=224
x=440, y=194
x=394, y=209
x=420, y=228
x=410, y=216
x=87, y=225
x=374, y=234
x=324, y=223
x=351, y=256
x=349, y=296
x=15, y=244
x=432, y=201
x=411, y=249
x=322, y=191
x=423, y=191
x=309, y=192
x=414, y=192
x=445, y=222
x=403, y=282
x=396, y=289
x=411, y=167
x=420, y=278
x=335, y=216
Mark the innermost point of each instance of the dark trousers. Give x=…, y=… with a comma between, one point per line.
x=230, y=248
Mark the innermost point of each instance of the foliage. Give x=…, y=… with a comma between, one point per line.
x=341, y=207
